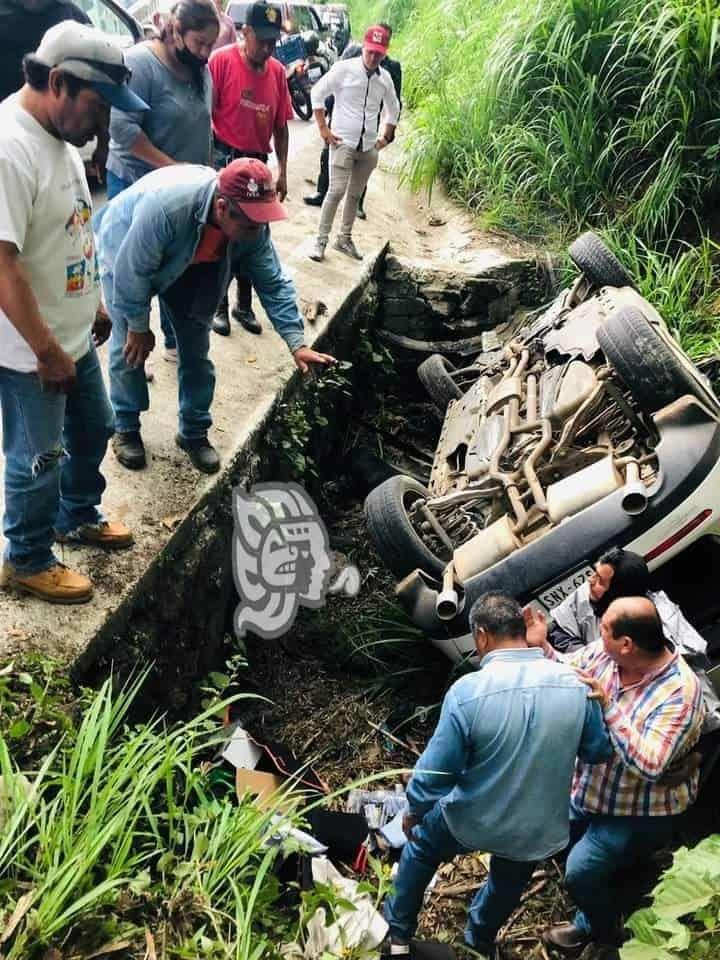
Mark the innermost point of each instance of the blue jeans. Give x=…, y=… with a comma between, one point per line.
x=116, y=185
x=54, y=444
x=433, y=844
x=196, y=376
x=600, y=846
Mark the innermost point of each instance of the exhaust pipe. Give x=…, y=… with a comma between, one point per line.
x=447, y=603
x=418, y=594
x=635, y=498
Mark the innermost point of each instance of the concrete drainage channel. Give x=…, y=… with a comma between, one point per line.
x=179, y=611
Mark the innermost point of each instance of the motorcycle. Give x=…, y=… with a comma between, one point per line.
x=321, y=55
x=299, y=84
x=293, y=56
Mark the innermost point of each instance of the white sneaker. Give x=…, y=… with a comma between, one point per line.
x=170, y=354
x=317, y=251
x=346, y=246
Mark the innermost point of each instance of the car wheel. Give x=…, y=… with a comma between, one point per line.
x=654, y=369
x=435, y=375
x=391, y=528
x=598, y=263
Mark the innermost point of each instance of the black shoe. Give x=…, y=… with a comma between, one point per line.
x=129, y=450
x=566, y=939
x=202, y=453
x=221, y=321
x=247, y=319
x=314, y=200
x=361, y=215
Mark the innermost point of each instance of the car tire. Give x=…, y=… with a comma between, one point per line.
x=655, y=371
x=435, y=375
x=391, y=531
x=599, y=264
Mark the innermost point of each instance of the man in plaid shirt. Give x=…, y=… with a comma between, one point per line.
x=626, y=807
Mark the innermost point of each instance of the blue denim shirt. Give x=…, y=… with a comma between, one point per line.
x=501, y=760
x=147, y=237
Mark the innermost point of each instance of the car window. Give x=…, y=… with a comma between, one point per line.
x=299, y=19
x=107, y=20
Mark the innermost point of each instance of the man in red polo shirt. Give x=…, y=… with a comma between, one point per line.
x=251, y=107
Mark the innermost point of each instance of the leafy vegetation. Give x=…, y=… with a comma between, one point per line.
x=551, y=117
x=683, y=920
x=119, y=830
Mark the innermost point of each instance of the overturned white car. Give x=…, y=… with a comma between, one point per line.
x=589, y=429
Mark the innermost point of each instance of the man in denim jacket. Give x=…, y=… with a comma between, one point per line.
x=169, y=234
x=495, y=775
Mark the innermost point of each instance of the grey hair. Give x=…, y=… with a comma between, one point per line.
x=499, y=614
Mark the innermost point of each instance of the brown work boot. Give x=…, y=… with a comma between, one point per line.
x=112, y=535
x=566, y=939
x=56, y=585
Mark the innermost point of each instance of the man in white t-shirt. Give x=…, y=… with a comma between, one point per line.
x=56, y=418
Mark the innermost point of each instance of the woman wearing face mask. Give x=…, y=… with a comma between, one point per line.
x=172, y=71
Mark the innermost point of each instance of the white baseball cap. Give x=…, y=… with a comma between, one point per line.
x=87, y=54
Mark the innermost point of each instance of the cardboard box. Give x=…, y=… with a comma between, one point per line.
x=262, y=786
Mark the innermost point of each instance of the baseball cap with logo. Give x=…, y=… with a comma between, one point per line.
x=265, y=19
x=377, y=39
x=85, y=53
x=248, y=183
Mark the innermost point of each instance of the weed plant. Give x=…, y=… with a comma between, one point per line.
x=122, y=820
x=553, y=116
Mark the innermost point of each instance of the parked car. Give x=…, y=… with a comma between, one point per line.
x=299, y=17
x=589, y=429
x=119, y=24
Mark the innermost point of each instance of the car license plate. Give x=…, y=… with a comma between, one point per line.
x=559, y=591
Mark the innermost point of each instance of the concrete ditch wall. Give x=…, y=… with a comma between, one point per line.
x=179, y=610
x=170, y=598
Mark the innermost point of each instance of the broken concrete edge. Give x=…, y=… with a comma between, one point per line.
x=426, y=303
x=202, y=540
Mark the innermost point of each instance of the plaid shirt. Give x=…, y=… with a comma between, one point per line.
x=651, y=723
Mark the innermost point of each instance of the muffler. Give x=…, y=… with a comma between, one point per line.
x=635, y=498
x=485, y=549
x=448, y=602
x=582, y=489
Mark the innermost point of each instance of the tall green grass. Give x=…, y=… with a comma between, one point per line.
x=584, y=111
x=551, y=116
x=121, y=823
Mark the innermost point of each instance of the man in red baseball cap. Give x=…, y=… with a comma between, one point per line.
x=362, y=90
x=148, y=243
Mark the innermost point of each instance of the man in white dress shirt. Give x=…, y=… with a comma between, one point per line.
x=362, y=90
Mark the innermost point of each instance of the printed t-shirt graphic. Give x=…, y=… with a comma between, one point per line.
x=45, y=209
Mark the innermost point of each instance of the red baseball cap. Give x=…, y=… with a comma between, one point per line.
x=249, y=184
x=377, y=39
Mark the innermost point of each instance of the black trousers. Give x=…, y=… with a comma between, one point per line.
x=223, y=154
x=323, y=181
